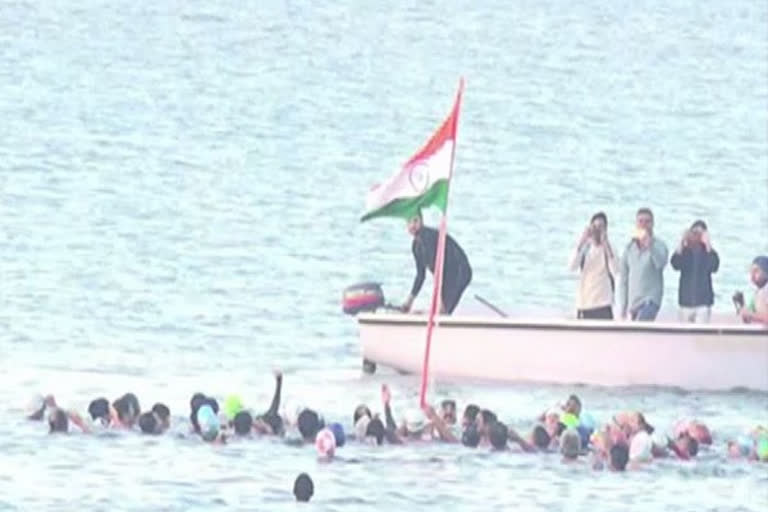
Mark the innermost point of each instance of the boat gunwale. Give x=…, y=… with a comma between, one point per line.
x=468, y=322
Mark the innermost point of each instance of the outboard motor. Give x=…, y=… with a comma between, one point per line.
x=362, y=297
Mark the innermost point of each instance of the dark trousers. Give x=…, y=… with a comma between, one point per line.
x=453, y=288
x=604, y=313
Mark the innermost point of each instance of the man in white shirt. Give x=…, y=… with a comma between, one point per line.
x=596, y=262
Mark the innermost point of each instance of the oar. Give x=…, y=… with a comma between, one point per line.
x=491, y=306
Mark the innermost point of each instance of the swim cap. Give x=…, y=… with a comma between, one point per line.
x=640, y=447
x=325, y=443
x=569, y=420
x=232, y=406
x=338, y=434
x=209, y=422
x=762, y=448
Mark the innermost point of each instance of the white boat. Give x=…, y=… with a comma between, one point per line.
x=721, y=356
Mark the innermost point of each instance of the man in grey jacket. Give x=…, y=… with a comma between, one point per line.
x=642, y=271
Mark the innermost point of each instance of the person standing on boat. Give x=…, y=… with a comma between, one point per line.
x=596, y=261
x=642, y=271
x=457, y=273
x=697, y=261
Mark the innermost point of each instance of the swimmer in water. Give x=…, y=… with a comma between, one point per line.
x=59, y=419
x=127, y=409
x=271, y=423
x=470, y=415
x=210, y=425
x=448, y=412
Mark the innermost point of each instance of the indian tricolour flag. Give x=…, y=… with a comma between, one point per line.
x=424, y=179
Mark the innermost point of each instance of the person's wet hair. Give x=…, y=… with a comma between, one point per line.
x=148, y=423
x=599, y=215
x=99, y=409
x=243, y=423
x=471, y=437
x=644, y=424
x=541, y=438
x=162, y=411
x=303, y=488
x=309, y=424
x=498, y=434
x=275, y=422
x=360, y=411
x=213, y=403
x=375, y=429
x=133, y=402
x=470, y=413
x=58, y=421
x=127, y=407
x=489, y=416
x=196, y=400
x=619, y=456
x=445, y=404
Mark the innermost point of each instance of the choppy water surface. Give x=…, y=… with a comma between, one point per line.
x=180, y=187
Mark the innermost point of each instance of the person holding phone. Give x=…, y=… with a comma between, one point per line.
x=696, y=261
x=642, y=271
x=596, y=263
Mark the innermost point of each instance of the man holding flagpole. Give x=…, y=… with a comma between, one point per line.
x=423, y=181
x=457, y=273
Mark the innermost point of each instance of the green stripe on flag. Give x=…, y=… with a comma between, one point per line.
x=405, y=208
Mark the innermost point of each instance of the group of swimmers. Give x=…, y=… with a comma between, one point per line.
x=626, y=441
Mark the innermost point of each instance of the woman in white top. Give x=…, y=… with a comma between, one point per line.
x=596, y=262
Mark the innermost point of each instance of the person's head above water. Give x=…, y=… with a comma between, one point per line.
x=470, y=415
x=128, y=409
x=58, y=421
x=243, y=423
x=498, y=433
x=448, y=411
x=209, y=422
x=338, y=434
x=98, y=409
x=303, y=488
x=163, y=414
x=415, y=223
x=360, y=411
x=149, y=424
x=570, y=444
x=573, y=405
x=309, y=424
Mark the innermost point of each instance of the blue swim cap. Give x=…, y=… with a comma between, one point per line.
x=338, y=433
x=209, y=423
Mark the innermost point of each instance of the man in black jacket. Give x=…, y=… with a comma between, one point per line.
x=457, y=273
x=697, y=261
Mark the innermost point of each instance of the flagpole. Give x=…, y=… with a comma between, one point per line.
x=440, y=257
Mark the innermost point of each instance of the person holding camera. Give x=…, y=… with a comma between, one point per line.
x=596, y=262
x=641, y=287
x=757, y=312
x=696, y=261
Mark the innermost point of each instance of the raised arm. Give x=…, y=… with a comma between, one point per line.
x=275, y=405
x=437, y=422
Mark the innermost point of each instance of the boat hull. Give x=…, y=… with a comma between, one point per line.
x=692, y=357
